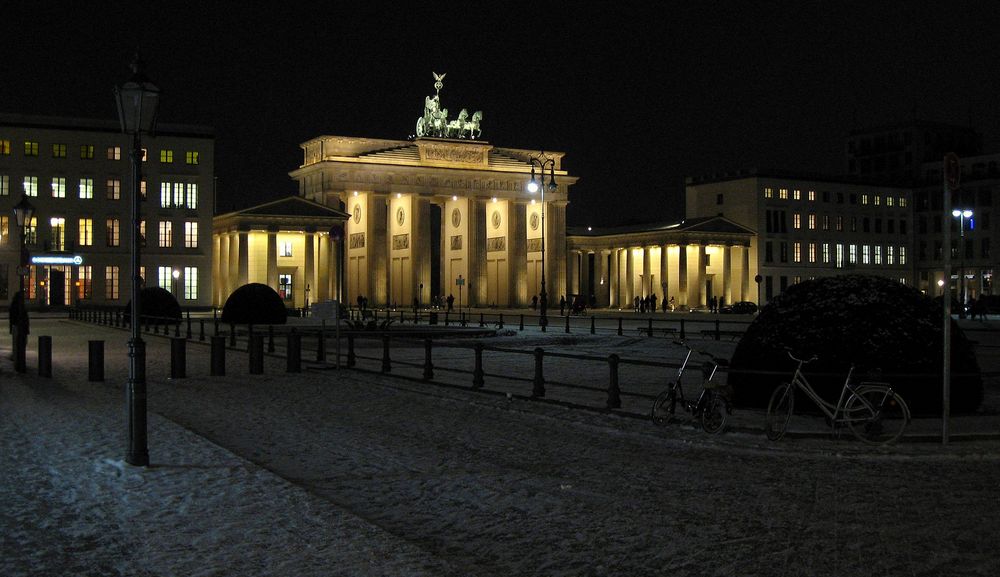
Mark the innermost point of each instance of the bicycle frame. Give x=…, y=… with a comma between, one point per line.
x=837, y=413
x=707, y=378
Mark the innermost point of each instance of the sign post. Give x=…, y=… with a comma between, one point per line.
x=952, y=176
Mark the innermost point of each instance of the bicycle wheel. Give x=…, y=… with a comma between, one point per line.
x=664, y=406
x=877, y=415
x=779, y=411
x=715, y=414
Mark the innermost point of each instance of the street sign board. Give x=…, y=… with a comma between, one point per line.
x=460, y=281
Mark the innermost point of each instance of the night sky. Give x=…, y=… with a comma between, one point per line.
x=637, y=95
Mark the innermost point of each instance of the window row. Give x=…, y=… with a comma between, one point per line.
x=172, y=194
x=965, y=226
x=776, y=222
x=960, y=248
x=837, y=254
x=85, y=233
x=59, y=150
x=853, y=198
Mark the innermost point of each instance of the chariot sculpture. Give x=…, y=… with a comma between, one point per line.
x=435, y=122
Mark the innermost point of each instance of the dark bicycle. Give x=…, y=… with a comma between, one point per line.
x=711, y=406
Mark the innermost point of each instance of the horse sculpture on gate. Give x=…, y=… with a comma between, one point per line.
x=435, y=122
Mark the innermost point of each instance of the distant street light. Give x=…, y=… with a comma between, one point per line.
x=137, y=102
x=541, y=161
x=961, y=215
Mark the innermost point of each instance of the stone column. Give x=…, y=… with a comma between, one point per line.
x=647, y=285
x=219, y=286
x=445, y=283
x=745, y=277
x=682, y=276
x=600, y=272
x=518, y=254
x=421, y=232
x=629, y=278
x=244, y=258
x=696, y=281
x=727, y=273
x=309, y=266
x=573, y=267
x=585, y=288
x=272, y=259
x=555, y=250
x=476, y=294
x=233, y=263
x=378, y=250
x=321, y=291
x=664, y=273
x=614, y=286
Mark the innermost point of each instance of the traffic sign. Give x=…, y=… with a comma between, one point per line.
x=460, y=281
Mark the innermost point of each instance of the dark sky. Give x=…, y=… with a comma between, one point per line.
x=638, y=95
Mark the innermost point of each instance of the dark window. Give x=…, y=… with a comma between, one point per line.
x=878, y=225
x=769, y=287
x=767, y=221
x=985, y=248
x=854, y=199
x=826, y=196
x=968, y=248
x=840, y=198
x=890, y=226
x=922, y=253
x=768, y=252
x=784, y=283
x=902, y=227
x=854, y=223
x=865, y=225
x=718, y=199
x=784, y=251
x=937, y=223
x=922, y=225
x=984, y=221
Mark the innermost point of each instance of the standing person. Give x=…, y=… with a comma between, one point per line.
x=534, y=302
x=652, y=303
x=671, y=303
x=562, y=305
x=451, y=301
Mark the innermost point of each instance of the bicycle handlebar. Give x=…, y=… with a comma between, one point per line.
x=715, y=359
x=804, y=362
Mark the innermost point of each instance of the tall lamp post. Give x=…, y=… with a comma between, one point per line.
x=23, y=211
x=961, y=215
x=137, y=101
x=541, y=161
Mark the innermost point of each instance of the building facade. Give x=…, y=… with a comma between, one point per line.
x=809, y=226
x=77, y=175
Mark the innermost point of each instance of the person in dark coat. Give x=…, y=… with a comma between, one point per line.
x=451, y=301
x=562, y=305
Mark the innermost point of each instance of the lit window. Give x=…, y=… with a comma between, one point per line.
x=142, y=236
x=114, y=189
x=797, y=252
x=4, y=232
x=783, y=193
x=142, y=189
x=178, y=194
x=58, y=226
x=796, y=195
x=866, y=254
x=889, y=200
x=878, y=200
x=164, y=275
x=166, y=156
x=58, y=187
x=144, y=151
x=840, y=223
x=826, y=252
x=191, y=157
x=796, y=221
x=86, y=151
x=4, y=148
x=114, y=153
x=31, y=231
x=85, y=274
x=190, y=283
x=86, y=231
x=864, y=198
x=840, y=256
x=812, y=196
x=890, y=255
x=58, y=151
x=30, y=148
x=165, y=194
x=192, y=195
x=768, y=193
x=902, y=202
x=111, y=283
x=826, y=222
x=166, y=234
x=812, y=221
x=86, y=188
x=114, y=232
x=4, y=185
x=852, y=255
x=191, y=234
x=878, y=254
x=902, y=255
x=285, y=286
x=31, y=185
x=812, y=252
x=285, y=248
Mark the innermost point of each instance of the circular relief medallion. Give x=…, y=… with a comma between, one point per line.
x=496, y=219
x=400, y=216
x=456, y=217
x=534, y=221
x=357, y=213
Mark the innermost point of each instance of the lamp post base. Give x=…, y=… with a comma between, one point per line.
x=138, y=452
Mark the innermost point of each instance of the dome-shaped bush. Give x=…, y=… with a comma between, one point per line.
x=890, y=332
x=155, y=305
x=254, y=304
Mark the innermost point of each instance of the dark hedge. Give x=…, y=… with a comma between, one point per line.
x=254, y=304
x=891, y=333
x=157, y=305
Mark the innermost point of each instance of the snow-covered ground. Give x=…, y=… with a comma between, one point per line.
x=356, y=473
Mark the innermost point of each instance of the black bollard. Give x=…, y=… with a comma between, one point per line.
x=270, y=338
x=619, y=326
x=218, y=368
x=294, y=353
x=649, y=327
x=386, y=364
x=592, y=328
x=178, y=358
x=428, y=365
x=189, y=323
x=482, y=321
x=520, y=327
x=321, y=347
x=201, y=329
x=44, y=356
x=462, y=315
x=351, y=358
x=477, y=373
x=255, y=346
x=538, y=384
x=500, y=322
x=95, y=358
x=614, y=392
x=232, y=335
x=177, y=329
x=567, y=324
x=682, y=329
x=718, y=335
x=446, y=318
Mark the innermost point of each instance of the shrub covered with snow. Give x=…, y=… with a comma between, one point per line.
x=890, y=332
x=156, y=305
x=254, y=304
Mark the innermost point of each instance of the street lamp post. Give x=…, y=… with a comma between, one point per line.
x=961, y=215
x=176, y=273
x=23, y=212
x=541, y=161
x=137, y=101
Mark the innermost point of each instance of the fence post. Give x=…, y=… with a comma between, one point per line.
x=178, y=358
x=201, y=329
x=232, y=335
x=477, y=373
x=619, y=326
x=592, y=329
x=20, y=346
x=255, y=346
x=95, y=365
x=462, y=314
x=351, y=359
x=682, y=329
x=500, y=323
x=520, y=327
x=270, y=338
x=189, y=323
x=445, y=318
x=538, y=385
x=218, y=368
x=177, y=329
x=44, y=356
x=321, y=346
x=614, y=392
x=649, y=326
x=717, y=334
x=386, y=364
x=428, y=366
x=482, y=323
x=567, y=324
x=294, y=352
